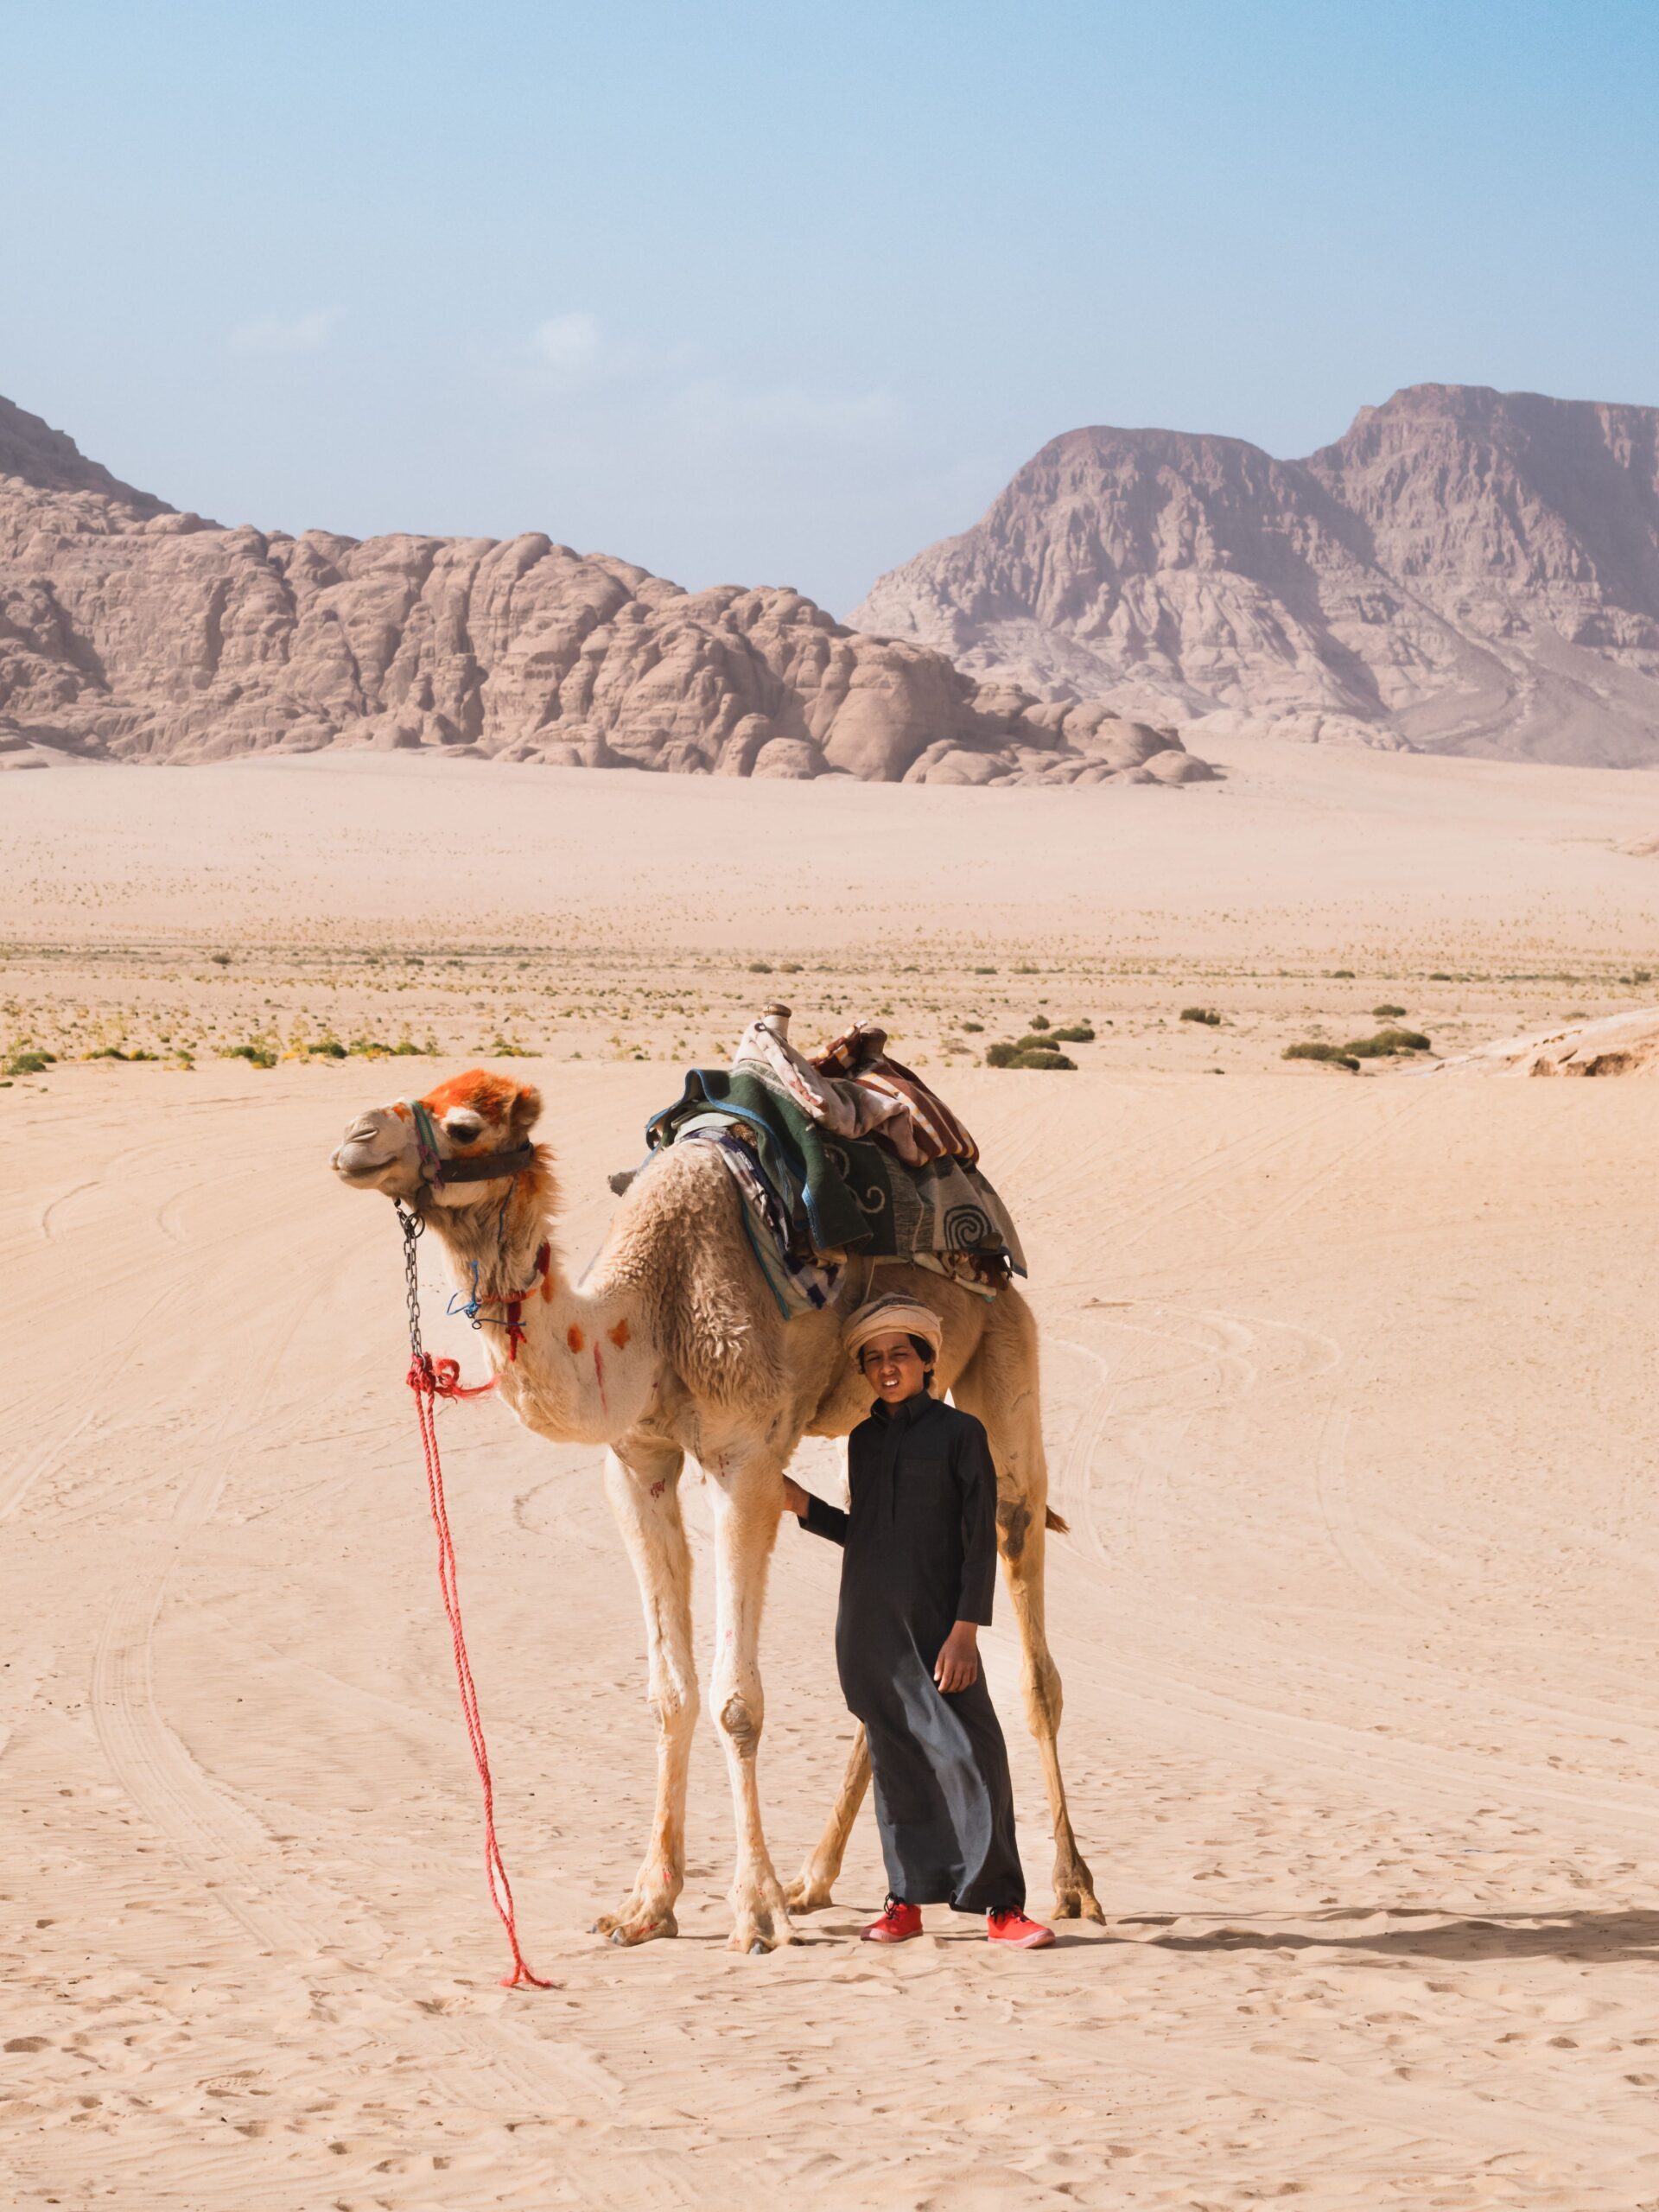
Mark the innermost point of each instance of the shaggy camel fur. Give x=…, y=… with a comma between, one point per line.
x=674, y=1344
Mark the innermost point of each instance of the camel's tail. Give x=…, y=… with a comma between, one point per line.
x=1052, y=1520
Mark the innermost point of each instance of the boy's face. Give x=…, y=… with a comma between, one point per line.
x=892, y=1368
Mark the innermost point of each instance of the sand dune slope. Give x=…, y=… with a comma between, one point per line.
x=1347, y=1404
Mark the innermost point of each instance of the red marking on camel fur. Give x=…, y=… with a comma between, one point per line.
x=599, y=1377
x=619, y=1335
x=659, y=1486
x=574, y=1338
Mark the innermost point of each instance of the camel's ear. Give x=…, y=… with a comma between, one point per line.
x=526, y=1110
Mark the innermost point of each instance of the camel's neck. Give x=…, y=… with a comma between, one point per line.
x=582, y=1367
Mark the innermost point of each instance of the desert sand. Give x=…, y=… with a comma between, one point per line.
x=1348, y=1400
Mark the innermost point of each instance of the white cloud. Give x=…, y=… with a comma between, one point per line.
x=275, y=333
x=567, y=341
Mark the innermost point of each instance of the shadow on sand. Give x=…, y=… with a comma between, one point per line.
x=1588, y=1935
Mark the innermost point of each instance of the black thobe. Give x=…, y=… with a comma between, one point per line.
x=920, y=1555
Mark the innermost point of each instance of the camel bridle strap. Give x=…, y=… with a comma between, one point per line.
x=484, y=1167
x=431, y=1379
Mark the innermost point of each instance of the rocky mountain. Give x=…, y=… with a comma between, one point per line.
x=130, y=632
x=1466, y=571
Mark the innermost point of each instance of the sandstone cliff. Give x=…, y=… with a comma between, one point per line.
x=130, y=632
x=1466, y=571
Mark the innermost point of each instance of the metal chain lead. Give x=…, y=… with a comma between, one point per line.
x=414, y=1229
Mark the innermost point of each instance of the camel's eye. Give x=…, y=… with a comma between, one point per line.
x=463, y=1128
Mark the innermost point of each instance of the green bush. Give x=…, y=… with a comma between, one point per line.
x=1206, y=1015
x=1075, y=1033
x=1387, y=1012
x=1029, y=1052
x=1332, y=1055
x=1039, y=1021
x=1385, y=1044
x=31, y=1063
x=257, y=1056
x=974, y=1028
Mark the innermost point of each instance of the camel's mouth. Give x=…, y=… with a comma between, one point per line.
x=352, y=1166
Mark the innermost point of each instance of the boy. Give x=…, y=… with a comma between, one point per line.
x=916, y=1585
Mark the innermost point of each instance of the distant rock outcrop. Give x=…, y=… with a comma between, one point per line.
x=133, y=633
x=1616, y=1044
x=1466, y=571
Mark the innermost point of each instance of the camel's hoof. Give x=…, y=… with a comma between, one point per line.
x=763, y=1932
x=808, y=1897
x=1077, y=1905
x=640, y=1929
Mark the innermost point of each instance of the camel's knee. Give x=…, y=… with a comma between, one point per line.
x=675, y=1705
x=1044, y=1700
x=740, y=1719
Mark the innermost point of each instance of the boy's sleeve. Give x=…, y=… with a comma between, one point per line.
x=828, y=1521
x=977, y=1477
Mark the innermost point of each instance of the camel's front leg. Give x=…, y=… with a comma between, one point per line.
x=745, y=1493
x=810, y=1891
x=642, y=1481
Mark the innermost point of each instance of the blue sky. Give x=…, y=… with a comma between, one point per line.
x=775, y=294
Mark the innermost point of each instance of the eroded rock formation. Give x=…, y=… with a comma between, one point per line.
x=130, y=632
x=1466, y=571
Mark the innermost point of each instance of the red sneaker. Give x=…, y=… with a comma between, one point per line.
x=1014, y=1928
x=898, y=1924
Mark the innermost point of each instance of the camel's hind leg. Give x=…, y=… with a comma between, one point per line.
x=642, y=1482
x=810, y=1891
x=1000, y=1386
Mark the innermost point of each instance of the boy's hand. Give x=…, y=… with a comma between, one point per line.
x=958, y=1664
x=795, y=1499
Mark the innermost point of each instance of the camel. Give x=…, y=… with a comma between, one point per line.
x=671, y=1344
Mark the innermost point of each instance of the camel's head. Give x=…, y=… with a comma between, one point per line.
x=438, y=1147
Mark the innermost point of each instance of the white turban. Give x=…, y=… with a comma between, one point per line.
x=886, y=1316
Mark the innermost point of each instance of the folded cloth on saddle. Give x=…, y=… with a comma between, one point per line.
x=921, y=1126
x=854, y=1090
x=848, y=1193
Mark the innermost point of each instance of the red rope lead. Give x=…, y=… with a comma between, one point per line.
x=429, y=1378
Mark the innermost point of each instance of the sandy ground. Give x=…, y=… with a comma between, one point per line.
x=1348, y=1400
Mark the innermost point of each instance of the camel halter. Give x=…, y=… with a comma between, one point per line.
x=484, y=1167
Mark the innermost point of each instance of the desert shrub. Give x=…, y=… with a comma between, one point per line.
x=1387, y=1012
x=984, y=971
x=257, y=1056
x=1075, y=1033
x=405, y=1047
x=329, y=1049
x=1028, y=1052
x=1342, y=975
x=1439, y=975
x=974, y=1028
x=31, y=1063
x=1039, y=1021
x=1026, y=968
x=1385, y=1044
x=1206, y=1015
x=760, y=967
x=1311, y=1049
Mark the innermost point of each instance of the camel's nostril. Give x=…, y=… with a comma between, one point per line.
x=360, y=1132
